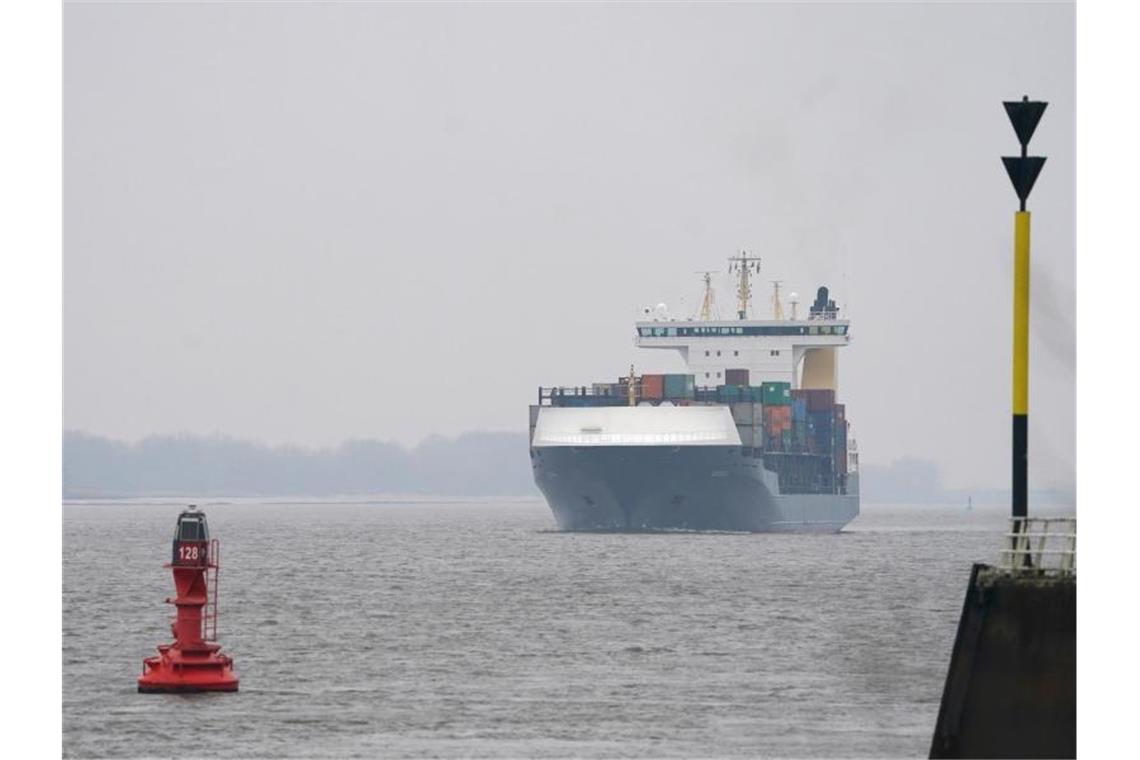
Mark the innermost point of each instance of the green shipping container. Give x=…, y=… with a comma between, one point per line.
x=680, y=386
x=776, y=394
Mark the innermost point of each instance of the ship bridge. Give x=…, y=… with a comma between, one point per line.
x=796, y=350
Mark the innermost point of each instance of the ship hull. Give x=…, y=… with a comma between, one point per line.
x=661, y=487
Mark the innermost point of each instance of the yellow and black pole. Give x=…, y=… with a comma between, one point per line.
x=1023, y=170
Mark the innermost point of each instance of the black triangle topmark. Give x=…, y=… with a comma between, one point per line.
x=1024, y=115
x=1023, y=171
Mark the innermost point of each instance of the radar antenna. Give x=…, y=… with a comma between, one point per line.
x=708, y=305
x=745, y=266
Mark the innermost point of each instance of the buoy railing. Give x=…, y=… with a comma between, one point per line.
x=210, y=614
x=1044, y=545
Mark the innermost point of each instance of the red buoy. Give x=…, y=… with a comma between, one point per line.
x=194, y=661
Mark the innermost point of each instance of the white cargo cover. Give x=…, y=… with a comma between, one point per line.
x=635, y=426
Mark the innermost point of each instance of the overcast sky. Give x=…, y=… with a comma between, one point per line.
x=304, y=223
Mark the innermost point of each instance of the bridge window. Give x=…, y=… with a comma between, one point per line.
x=672, y=332
x=718, y=353
x=706, y=354
x=736, y=353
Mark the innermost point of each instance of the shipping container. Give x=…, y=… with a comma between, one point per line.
x=736, y=377
x=799, y=409
x=776, y=393
x=728, y=394
x=782, y=412
x=777, y=421
x=706, y=394
x=679, y=386
x=840, y=411
x=824, y=437
x=820, y=399
x=652, y=386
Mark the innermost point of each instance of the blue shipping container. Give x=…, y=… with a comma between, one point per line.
x=728, y=393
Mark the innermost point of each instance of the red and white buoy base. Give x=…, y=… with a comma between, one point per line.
x=192, y=669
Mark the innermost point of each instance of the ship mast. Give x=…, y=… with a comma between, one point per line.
x=708, y=305
x=745, y=267
x=777, y=309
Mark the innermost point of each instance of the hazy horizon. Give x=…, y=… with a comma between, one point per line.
x=473, y=464
x=308, y=224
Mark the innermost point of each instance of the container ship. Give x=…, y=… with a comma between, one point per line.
x=750, y=438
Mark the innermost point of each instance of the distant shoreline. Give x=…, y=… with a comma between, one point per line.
x=471, y=466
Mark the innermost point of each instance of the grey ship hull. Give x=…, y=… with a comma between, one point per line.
x=630, y=488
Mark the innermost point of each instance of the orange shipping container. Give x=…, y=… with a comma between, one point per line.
x=652, y=386
x=778, y=414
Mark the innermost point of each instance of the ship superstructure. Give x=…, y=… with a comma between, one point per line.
x=750, y=438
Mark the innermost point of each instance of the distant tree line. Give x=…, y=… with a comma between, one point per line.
x=473, y=464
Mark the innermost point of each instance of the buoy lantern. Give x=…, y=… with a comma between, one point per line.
x=194, y=662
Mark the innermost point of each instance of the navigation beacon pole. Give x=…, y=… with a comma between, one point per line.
x=1011, y=688
x=1024, y=114
x=194, y=662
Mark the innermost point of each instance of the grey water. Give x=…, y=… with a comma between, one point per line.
x=475, y=630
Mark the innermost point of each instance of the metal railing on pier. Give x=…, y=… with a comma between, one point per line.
x=1042, y=545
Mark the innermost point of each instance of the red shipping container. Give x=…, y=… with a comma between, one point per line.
x=652, y=386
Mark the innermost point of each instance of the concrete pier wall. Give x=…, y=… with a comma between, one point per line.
x=1011, y=690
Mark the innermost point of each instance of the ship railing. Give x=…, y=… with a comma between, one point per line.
x=583, y=391
x=1041, y=545
x=569, y=390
